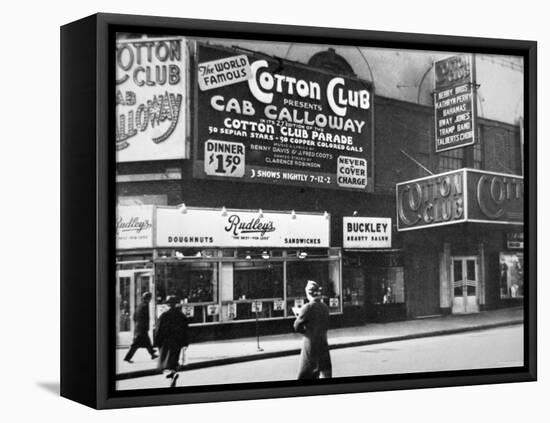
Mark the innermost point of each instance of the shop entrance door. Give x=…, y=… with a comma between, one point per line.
x=130, y=286
x=465, y=275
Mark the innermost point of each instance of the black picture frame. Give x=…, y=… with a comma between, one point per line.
x=88, y=201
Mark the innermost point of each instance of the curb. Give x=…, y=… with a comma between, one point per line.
x=296, y=351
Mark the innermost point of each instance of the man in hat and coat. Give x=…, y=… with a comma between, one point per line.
x=141, y=331
x=171, y=336
x=312, y=321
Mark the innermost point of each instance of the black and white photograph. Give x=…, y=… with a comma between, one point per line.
x=294, y=211
x=275, y=212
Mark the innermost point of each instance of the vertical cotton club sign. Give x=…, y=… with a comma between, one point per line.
x=150, y=99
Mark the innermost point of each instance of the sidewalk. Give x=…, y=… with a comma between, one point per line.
x=214, y=353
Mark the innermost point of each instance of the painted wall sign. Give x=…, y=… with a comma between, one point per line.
x=134, y=227
x=150, y=99
x=297, y=125
x=367, y=232
x=239, y=228
x=460, y=196
x=454, y=103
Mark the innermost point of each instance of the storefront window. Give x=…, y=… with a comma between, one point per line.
x=373, y=280
x=353, y=293
x=245, y=284
x=387, y=285
x=299, y=272
x=258, y=289
x=195, y=283
x=257, y=279
x=511, y=275
x=326, y=273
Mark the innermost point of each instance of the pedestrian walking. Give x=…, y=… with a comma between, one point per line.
x=312, y=321
x=141, y=331
x=171, y=336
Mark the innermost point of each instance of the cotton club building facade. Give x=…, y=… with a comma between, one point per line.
x=273, y=171
x=461, y=226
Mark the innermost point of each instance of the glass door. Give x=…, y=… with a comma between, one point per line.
x=130, y=286
x=144, y=283
x=125, y=298
x=465, y=276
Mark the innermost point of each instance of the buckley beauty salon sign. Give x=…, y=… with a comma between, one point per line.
x=134, y=227
x=239, y=228
x=150, y=99
x=367, y=232
x=464, y=195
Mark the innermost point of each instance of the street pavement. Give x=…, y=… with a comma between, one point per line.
x=215, y=353
x=492, y=348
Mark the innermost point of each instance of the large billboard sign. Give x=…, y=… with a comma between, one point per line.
x=464, y=195
x=454, y=103
x=150, y=99
x=260, y=119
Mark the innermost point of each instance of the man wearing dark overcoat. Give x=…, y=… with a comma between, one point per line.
x=171, y=336
x=141, y=331
x=313, y=321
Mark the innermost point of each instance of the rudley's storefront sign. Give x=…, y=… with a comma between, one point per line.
x=268, y=120
x=366, y=232
x=240, y=228
x=460, y=196
x=134, y=227
x=150, y=99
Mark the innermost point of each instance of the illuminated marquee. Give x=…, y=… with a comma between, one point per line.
x=459, y=196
